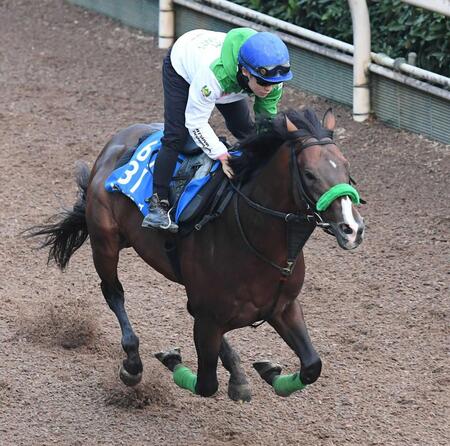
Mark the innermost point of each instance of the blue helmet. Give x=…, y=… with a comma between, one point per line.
x=266, y=56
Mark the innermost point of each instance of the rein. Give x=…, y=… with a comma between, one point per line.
x=293, y=218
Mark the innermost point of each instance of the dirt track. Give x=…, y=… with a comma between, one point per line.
x=378, y=316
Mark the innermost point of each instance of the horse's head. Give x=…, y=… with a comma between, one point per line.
x=322, y=178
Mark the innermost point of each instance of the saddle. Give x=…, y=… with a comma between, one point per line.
x=199, y=190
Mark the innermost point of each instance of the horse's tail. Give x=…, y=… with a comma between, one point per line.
x=66, y=231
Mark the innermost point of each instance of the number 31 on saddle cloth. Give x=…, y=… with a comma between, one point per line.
x=134, y=178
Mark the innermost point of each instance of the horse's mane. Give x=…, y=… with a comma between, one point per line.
x=258, y=149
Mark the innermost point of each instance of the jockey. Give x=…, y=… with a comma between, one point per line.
x=207, y=69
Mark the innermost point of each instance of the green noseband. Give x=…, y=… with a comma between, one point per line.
x=339, y=190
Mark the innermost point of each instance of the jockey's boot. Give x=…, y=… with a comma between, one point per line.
x=158, y=215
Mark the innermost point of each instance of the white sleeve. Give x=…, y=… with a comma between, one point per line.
x=203, y=94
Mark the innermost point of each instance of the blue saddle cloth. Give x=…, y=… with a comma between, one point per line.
x=135, y=178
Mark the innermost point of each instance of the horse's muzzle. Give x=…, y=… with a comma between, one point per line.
x=349, y=237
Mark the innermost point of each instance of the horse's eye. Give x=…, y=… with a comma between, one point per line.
x=309, y=175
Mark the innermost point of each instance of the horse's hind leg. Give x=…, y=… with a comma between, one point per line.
x=106, y=257
x=238, y=387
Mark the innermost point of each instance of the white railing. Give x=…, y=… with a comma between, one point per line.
x=440, y=6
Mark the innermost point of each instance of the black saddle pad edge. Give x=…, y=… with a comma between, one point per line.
x=187, y=226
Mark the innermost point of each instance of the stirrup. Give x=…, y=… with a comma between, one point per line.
x=171, y=226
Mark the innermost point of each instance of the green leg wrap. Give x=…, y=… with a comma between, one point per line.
x=184, y=378
x=287, y=384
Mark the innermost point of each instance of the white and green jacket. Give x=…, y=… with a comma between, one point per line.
x=208, y=61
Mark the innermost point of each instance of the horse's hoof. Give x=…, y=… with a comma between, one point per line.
x=267, y=370
x=169, y=358
x=128, y=379
x=239, y=392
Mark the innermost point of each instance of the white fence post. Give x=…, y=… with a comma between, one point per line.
x=361, y=59
x=166, y=27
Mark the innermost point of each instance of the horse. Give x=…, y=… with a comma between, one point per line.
x=290, y=178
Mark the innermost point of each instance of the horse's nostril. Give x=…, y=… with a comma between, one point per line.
x=346, y=229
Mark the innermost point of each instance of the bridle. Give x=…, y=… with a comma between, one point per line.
x=309, y=217
x=299, y=225
x=300, y=191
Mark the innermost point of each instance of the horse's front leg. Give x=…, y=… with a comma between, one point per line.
x=208, y=340
x=238, y=386
x=291, y=326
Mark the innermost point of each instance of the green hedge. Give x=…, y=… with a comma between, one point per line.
x=397, y=28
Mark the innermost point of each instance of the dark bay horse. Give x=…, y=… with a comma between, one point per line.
x=241, y=268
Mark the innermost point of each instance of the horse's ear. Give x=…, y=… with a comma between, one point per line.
x=290, y=125
x=329, y=120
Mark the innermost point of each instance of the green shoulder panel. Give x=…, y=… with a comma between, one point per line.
x=230, y=49
x=228, y=85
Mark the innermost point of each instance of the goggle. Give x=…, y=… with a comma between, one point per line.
x=263, y=82
x=276, y=70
